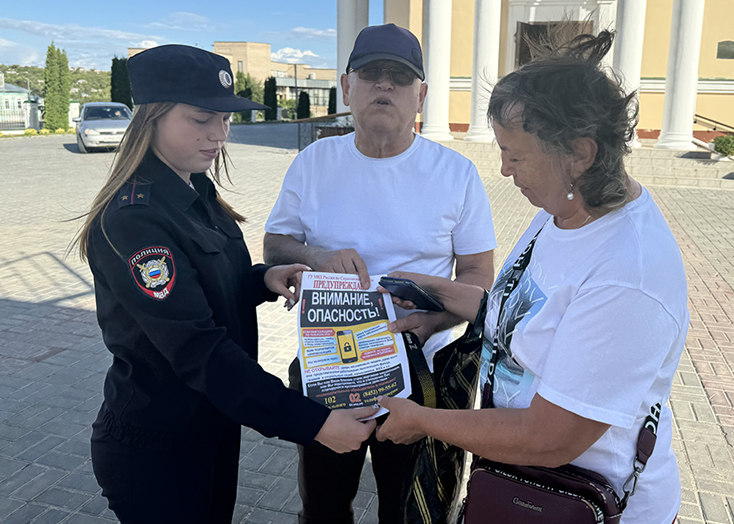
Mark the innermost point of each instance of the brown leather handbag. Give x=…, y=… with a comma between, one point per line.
x=502, y=493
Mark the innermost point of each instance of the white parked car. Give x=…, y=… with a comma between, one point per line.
x=101, y=125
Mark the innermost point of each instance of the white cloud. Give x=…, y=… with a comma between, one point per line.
x=300, y=34
x=88, y=47
x=70, y=33
x=183, y=21
x=308, y=33
x=13, y=53
x=146, y=44
x=295, y=56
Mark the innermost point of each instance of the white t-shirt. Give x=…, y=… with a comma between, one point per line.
x=597, y=326
x=410, y=212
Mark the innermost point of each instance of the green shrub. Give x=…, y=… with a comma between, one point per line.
x=724, y=145
x=30, y=132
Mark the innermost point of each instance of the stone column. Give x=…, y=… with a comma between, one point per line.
x=362, y=19
x=485, y=68
x=628, y=45
x=437, y=43
x=681, y=81
x=346, y=33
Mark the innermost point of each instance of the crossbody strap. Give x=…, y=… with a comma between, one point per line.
x=648, y=433
x=518, y=268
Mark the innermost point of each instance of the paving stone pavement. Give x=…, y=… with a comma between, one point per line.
x=52, y=360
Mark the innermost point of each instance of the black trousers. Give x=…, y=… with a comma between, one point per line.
x=182, y=483
x=328, y=481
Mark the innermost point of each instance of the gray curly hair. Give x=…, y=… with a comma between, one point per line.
x=566, y=96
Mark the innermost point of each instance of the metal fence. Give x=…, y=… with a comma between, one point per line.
x=311, y=129
x=12, y=118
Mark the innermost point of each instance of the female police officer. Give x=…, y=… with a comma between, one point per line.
x=176, y=295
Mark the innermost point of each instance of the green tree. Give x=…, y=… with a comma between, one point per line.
x=304, y=105
x=243, y=82
x=57, y=80
x=52, y=90
x=120, y=90
x=65, y=87
x=270, y=99
x=332, y=101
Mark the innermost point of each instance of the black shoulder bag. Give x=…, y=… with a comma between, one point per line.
x=437, y=467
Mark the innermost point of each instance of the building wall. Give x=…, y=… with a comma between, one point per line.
x=717, y=27
x=253, y=56
x=304, y=71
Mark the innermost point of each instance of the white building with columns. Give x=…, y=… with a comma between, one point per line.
x=678, y=55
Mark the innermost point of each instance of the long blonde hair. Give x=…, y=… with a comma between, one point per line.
x=135, y=144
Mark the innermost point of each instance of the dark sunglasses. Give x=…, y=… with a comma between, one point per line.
x=399, y=76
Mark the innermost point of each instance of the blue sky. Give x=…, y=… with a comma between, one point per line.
x=92, y=33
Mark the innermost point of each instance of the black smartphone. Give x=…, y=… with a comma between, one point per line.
x=409, y=290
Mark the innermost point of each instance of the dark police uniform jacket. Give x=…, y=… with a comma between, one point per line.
x=176, y=299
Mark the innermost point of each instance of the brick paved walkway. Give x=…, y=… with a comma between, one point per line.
x=52, y=361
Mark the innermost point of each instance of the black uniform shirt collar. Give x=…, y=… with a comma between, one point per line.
x=169, y=184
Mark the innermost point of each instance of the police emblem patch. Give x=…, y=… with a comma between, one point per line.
x=225, y=79
x=153, y=271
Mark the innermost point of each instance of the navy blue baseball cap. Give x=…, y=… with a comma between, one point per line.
x=387, y=42
x=181, y=73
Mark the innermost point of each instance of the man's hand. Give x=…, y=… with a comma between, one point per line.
x=340, y=261
x=280, y=279
x=343, y=432
x=403, y=424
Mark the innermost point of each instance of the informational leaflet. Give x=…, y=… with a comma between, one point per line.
x=348, y=357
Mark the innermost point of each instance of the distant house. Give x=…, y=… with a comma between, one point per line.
x=16, y=107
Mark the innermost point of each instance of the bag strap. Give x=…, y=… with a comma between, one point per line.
x=648, y=433
x=645, y=446
x=417, y=358
x=518, y=268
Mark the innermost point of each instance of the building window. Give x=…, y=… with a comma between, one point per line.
x=20, y=104
x=239, y=66
x=7, y=104
x=725, y=50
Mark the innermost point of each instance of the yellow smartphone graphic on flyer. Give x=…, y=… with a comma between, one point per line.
x=347, y=346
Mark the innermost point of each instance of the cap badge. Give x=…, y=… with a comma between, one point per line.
x=225, y=79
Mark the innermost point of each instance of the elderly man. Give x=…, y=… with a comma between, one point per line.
x=379, y=200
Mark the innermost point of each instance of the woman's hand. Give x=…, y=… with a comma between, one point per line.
x=458, y=298
x=280, y=280
x=403, y=424
x=343, y=432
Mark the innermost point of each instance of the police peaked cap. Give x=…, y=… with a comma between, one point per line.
x=181, y=73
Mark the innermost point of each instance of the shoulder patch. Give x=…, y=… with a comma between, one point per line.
x=153, y=271
x=133, y=193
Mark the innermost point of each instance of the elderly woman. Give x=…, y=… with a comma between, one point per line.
x=590, y=337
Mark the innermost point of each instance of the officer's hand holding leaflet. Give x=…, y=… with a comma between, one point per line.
x=343, y=432
x=280, y=280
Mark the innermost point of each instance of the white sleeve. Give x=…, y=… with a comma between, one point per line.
x=285, y=218
x=606, y=353
x=474, y=231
